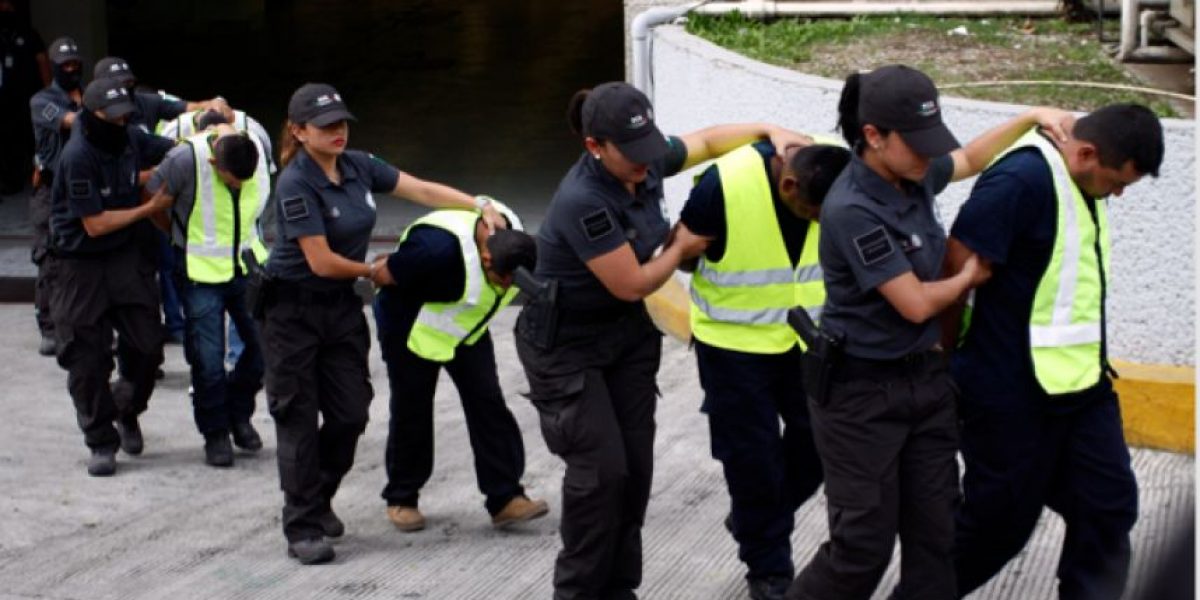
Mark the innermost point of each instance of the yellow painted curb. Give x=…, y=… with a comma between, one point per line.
x=1158, y=405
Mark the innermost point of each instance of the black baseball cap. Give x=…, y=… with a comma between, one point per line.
x=905, y=100
x=319, y=104
x=64, y=49
x=116, y=68
x=620, y=113
x=109, y=96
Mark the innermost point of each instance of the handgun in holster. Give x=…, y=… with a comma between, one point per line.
x=258, y=284
x=822, y=354
x=538, y=323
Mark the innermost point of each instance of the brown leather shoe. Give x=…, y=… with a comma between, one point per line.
x=406, y=518
x=519, y=510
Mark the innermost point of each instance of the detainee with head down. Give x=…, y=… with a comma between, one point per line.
x=1041, y=426
x=760, y=211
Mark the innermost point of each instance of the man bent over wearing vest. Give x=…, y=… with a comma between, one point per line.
x=1040, y=421
x=439, y=289
x=219, y=183
x=760, y=212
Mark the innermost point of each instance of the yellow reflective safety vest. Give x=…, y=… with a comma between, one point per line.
x=442, y=326
x=184, y=126
x=218, y=227
x=741, y=301
x=1065, y=325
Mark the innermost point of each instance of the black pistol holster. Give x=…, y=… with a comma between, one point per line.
x=821, y=356
x=258, y=285
x=538, y=322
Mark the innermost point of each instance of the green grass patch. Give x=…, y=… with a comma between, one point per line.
x=992, y=49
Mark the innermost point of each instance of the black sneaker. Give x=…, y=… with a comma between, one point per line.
x=246, y=438
x=772, y=587
x=218, y=452
x=311, y=552
x=131, y=435
x=332, y=525
x=103, y=462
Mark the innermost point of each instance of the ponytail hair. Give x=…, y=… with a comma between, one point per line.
x=575, y=111
x=288, y=144
x=848, y=111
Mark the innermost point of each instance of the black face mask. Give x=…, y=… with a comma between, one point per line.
x=68, y=80
x=109, y=137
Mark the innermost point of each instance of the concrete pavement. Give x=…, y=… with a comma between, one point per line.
x=167, y=526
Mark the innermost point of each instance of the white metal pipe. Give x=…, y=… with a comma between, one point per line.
x=1129, y=29
x=640, y=32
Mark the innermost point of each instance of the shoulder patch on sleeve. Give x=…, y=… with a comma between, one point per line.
x=294, y=208
x=597, y=224
x=50, y=111
x=80, y=188
x=874, y=246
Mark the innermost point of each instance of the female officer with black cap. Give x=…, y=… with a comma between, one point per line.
x=886, y=427
x=592, y=355
x=314, y=335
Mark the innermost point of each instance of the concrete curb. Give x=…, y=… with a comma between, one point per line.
x=1158, y=405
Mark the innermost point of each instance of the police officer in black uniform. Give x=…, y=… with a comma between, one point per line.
x=314, y=335
x=53, y=111
x=886, y=428
x=589, y=349
x=105, y=280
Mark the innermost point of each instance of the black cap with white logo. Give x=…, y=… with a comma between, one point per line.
x=62, y=50
x=905, y=100
x=620, y=113
x=110, y=96
x=117, y=68
x=319, y=104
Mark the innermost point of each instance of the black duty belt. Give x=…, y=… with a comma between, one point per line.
x=597, y=316
x=853, y=367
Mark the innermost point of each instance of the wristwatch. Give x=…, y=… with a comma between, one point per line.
x=482, y=201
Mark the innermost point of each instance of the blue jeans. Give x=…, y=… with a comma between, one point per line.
x=169, y=287
x=220, y=399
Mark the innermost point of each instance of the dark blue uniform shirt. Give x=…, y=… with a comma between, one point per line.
x=1009, y=219
x=309, y=204
x=704, y=212
x=90, y=181
x=47, y=108
x=428, y=267
x=152, y=108
x=593, y=214
x=871, y=233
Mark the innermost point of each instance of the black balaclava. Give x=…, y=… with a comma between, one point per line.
x=69, y=81
x=109, y=137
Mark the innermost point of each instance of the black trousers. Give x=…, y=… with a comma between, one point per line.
x=887, y=444
x=1031, y=451
x=92, y=297
x=596, y=394
x=495, y=438
x=769, y=472
x=39, y=219
x=319, y=391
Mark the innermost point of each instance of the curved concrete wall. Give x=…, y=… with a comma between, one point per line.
x=1151, y=302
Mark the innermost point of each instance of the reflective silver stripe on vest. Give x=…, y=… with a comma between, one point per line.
x=1060, y=331
x=1052, y=336
x=207, y=212
x=444, y=321
x=762, y=277
x=764, y=316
